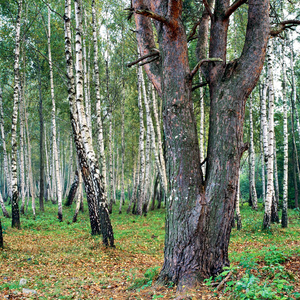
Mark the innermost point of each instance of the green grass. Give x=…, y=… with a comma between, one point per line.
x=61, y=260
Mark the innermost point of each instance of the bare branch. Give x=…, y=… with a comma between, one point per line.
x=149, y=61
x=233, y=7
x=197, y=86
x=279, y=28
x=213, y=59
x=193, y=31
x=208, y=8
x=155, y=53
x=152, y=15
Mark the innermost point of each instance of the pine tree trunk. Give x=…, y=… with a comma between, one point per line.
x=270, y=163
x=14, y=178
x=252, y=159
x=284, y=218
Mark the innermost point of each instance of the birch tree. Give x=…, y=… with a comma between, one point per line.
x=54, y=136
x=14, y=176
x=284, y=218
x=253, y=194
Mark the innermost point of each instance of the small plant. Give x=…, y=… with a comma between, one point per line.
x=145, y=281
x=274, y=256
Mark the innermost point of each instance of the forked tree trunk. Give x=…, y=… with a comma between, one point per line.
x=284, y=218
x=199, y=214
x=14, y=178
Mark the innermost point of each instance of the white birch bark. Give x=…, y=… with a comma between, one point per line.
x=164, y=181
x=201, y=129
x=262, y=159
x=141, y=147
x=4, y=210
x=100, y=137
x=7, y=171
x=79, y=197
x=87, y=159
x=149, y=135
x=48, y=172
x=237, y=206
x=14, y=175
x=29, y=164
x=294, y=88
x=284, y=218
x=275, y=202
x=252, y=158
x=54, y=141
x=270, y=163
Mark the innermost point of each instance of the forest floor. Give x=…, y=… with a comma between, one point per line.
x=63, y=261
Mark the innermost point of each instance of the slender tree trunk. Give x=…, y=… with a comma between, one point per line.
x=79, y=196
x=162, y=163
x=42, y=162
x=30, y=174
x=140, y=200
x=295, y=157
x=54, y=139
x=1, y=236
x=284, y=218
x=14, y=179
x=98, y=100
x=7, y=171
x=270, y=163
x=252, y=159
x=237, y=207
x=275, y=202
x=48, y=171
x=4, y=210
x=73, y=190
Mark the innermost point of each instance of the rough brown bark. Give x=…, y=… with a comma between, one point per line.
x=199, y=214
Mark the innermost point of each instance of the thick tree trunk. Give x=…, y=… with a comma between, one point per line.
x=14, y=178
x=199, y=215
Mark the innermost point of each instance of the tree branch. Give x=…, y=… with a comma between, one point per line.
x=193, y=31
x=233, y=7
x=198, y=65
x=197, y=86
x=276, y=30
x=149, y=61
x=155, y=53
x=208, y=8
x=152, y=15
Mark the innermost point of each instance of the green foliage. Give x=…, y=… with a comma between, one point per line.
x=146, y=280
